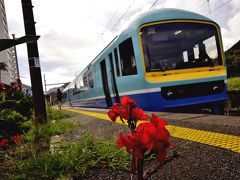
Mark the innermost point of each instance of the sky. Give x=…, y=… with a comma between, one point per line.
x=73, y=32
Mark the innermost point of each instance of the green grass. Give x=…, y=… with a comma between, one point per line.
x=55, y=114
x=69, y=159
x=66, y=160
x=56, y=125
x=233, y=83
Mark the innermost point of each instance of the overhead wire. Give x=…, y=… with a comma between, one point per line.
x=195, y=5
x=121, y=17
x=199, y=6
x=155, y=2
x=103, y=32
x=153, y=5
x=125, y=12
x=114, y=14
x=224, y=4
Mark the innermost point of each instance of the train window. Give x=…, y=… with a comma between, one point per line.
x=127, y=58
x=81, y=84
x=85, y=83
x=180, y=45
x=90, y=79
x=116, y=62
x=76, y=88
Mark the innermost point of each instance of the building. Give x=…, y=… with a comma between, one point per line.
x=7, y=56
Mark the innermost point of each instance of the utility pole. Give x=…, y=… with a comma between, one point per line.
x=34, y=64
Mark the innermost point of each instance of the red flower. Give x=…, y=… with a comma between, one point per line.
x=131, y=143
x=3, y=142
x=146, y=133
x=114, y=113
x=2, y=87
x=17, y=139
x=138, y=114
x=125, y=101
x=158, y=122
x=148, y=136
x=127, y=111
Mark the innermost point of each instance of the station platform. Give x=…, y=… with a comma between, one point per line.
x=208, y=145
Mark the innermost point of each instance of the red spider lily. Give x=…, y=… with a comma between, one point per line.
x=17, y=139
x=3, y=142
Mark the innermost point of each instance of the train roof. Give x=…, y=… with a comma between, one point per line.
x=161, y=15
x=167, y=14
x=148, y=17
x=153, y=16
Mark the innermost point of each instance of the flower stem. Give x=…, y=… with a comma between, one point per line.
x=140, y=168
x=133, y=164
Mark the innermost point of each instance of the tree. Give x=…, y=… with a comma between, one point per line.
x=3, y=67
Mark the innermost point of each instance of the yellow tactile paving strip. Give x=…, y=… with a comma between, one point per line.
x=225, y=141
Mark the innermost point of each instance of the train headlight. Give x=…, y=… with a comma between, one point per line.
x=215, y=88
x=169, y=93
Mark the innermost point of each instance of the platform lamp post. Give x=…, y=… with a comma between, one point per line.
x=34, y=65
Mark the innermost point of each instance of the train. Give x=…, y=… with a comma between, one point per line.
x=170, y=60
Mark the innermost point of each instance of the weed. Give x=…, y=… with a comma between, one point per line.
x=233, y=83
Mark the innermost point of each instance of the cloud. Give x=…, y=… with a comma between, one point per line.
x=231, y=33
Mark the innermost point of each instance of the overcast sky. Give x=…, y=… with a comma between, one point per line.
x=73, y=32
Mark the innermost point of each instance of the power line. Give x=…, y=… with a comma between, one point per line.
x=103, y=32
x=153, y=5
x=115, y=12
x=122, y=16
x=194, y=6
x=125, y=12
x=129, y=7
x=200, y=6
x=224, y=4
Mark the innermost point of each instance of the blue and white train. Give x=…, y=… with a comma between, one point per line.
x=168, y=59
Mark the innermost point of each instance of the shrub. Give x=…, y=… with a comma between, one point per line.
x=23, y=106
x=11, y=123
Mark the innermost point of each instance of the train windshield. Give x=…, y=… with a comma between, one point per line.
x=180, y=45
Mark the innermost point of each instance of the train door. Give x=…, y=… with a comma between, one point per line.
x=113, y=79
x=105, y=83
